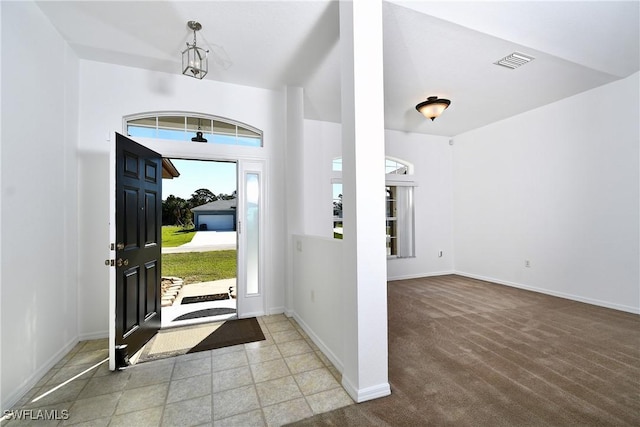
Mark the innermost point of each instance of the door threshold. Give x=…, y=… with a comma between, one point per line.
x=200, y=312
x=198, y=321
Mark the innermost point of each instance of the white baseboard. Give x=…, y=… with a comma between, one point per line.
x=93, y=336
x=335, y=360
x=275, y=310
x=419, y=276
x=358, y=395
x=29, y=383
x=368, y=393
x=252, y=314
x=564, y=295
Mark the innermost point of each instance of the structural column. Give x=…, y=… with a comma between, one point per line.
x=294, y=160
x=365, y=373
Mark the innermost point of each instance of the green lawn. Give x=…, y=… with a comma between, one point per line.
x=173, y=235
x=195, y=267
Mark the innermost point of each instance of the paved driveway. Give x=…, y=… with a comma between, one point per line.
x=205, y=241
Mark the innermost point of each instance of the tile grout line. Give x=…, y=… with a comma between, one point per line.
x=166, y=398
x=291, y=373
x=255, y=384
x=68, y=381
x=255, y=387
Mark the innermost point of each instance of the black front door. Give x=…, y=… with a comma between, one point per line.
x=138, y=243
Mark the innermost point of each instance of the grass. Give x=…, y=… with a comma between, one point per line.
x=173, y=235
x=195, y=267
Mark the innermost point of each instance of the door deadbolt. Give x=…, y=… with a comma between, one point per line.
x=120, y=246
x=122, y=262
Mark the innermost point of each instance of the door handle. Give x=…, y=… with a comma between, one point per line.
x=120, y=262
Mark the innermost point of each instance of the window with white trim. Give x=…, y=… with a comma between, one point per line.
x=192, y=127
x=400, y=222
x=337, y=209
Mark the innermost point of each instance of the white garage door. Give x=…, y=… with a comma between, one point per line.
x=217, y=222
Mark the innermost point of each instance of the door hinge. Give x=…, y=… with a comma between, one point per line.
x=109, y=262
x=239, y=227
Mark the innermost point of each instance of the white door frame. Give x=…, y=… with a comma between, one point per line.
x=254, y=305
x=112, y=252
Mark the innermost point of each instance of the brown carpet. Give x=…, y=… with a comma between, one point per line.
x=464, y=352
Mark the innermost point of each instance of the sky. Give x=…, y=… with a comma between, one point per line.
x=218, y=177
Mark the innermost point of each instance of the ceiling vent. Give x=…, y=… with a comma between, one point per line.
x=515, y=60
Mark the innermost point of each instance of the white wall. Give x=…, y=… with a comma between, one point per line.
x=318, y=293
x=558, y=186
x=39, y=118
x=109, y=92
x=431, y=157
x=322, y=143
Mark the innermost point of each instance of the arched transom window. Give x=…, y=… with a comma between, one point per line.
x=392, y=166
x=192, y=127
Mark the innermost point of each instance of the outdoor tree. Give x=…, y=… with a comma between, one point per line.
x=337, y=207
x=202, y=196
x=175, y=211
x=223, y=196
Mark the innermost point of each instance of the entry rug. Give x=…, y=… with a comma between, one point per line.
x=191, y=339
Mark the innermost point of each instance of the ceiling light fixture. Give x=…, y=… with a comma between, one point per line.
x=433, y=107
x=199, y=137
x=194, y=58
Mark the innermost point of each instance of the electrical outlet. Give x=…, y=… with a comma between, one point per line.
x=527, y=263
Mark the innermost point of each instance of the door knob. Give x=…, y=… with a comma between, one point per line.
x=122, y=262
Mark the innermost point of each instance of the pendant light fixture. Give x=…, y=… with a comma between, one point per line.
x=194, y=58
x=199, y=137
x=433, y=107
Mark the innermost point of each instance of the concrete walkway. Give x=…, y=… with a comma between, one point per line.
x=195, y=289
x=205, y=241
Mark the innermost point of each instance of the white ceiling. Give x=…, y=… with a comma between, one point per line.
x=443, y=48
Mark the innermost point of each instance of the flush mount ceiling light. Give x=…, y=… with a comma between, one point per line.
x=433, y=107
x=194, y=58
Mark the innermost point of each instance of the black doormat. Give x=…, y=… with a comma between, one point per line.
x=232, y=332
x=173, y=342
x=204, y=298
x=206, y=313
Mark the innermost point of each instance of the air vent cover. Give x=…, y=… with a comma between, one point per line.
x=515, y=60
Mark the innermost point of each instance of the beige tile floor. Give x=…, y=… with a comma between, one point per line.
x=268, y=383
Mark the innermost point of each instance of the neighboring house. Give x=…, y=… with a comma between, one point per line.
x=215, y=216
